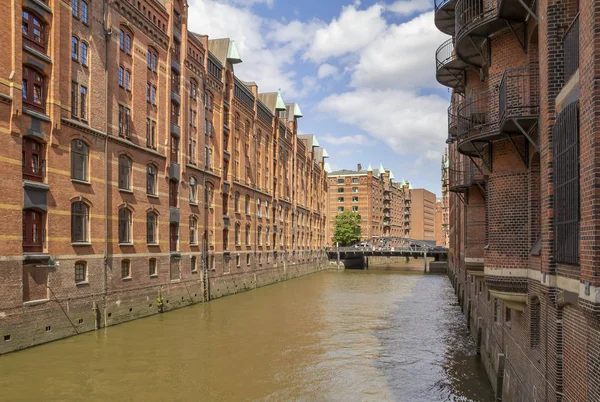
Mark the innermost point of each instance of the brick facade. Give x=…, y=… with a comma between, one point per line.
x=519, y=169
x=383, y=204
x=139, y=173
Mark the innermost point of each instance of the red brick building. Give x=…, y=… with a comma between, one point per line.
x=522, y=172
x=139, y=173
x=383, y=204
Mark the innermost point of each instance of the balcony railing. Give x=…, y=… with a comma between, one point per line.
x=463, y=174
x=519, y=93
x=471, y=13
x=571, y=46
x=478, y=114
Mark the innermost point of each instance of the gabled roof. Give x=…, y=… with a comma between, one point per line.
x=272, y=100
x=224, y=50
x=310, y=138
x=294, y=110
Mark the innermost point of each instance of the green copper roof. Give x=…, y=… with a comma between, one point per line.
x=369, y=168
x=233, y=55
x=381, y=169
x=392, y=175
x=280, y=104
x=410, y=186
x=297, y=111
x=325, y=154
x=326, y=167
x=403, y=183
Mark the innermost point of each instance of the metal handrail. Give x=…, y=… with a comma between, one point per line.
x=437, y=4
x=477, y=113
x=444, y=54
x=519, y=92
x=470, y=13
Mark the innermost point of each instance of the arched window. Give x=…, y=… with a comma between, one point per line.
x=193, y=89
x=267, y=235
x=152, y=60
x=259, y=235
x=247, y=235
x=535, y=325
x=237, y=234
x=247, y=208
x=83, y=54
x=80, y=218
x=34, y=31
x=208, y=194
x=152, y=227
x=80, y=272
x=267, y=209
x=151, y=181
x=237, y=202
x=124, y=173
x=193, y=230
x=193, y=190
x=152, y=270
x=33, y=88
x=258, y=207
x=75, y=48
x=125, y=222
x=225, y=239
x=33, y=160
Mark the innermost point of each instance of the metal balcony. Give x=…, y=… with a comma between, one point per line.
x=477, y=20
x=450, y=70
x=464, y=174
x=444, y=15
x=478, y=121
x=519, y=102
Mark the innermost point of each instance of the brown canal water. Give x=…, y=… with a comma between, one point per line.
x=331, y=336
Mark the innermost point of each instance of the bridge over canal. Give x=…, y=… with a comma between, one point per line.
x=391, y=247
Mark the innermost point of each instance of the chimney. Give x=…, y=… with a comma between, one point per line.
x=359, y=167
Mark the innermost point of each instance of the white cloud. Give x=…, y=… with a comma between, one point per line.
x=353, y=30
x=407, y=122
x=326, y=70
x=252, y=2
x=357, y=139
x=408, y=7
x=403, y=57
x=265, y=60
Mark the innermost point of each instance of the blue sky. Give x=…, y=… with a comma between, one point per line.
x=363, y=73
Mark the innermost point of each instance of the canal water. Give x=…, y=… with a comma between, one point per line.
x=332, y=336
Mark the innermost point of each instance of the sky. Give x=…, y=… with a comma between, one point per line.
x=363, y=73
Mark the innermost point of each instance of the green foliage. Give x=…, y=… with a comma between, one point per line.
x=347, y=228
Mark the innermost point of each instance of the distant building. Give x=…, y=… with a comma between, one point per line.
x=383, y=205
x=423, y=215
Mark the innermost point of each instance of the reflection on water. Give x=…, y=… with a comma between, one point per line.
x=342, y=336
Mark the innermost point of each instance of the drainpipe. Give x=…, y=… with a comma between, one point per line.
x=107, y=36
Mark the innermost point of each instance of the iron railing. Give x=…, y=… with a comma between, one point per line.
x=477, y=114
x=437, y=4
x=470, y=13
x=565, y=141
x=463, y=174
x=445, y=54
x=519, y=93
x=571, y=47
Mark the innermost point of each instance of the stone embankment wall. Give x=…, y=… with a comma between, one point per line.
x=52, y=320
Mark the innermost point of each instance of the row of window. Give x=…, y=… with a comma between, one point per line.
x=354, y=209
x=341, y=189
x=81, y=269
x=79, y=51
x=79, y=9
x=341, y=181
x=341, y=199
x=79, y=100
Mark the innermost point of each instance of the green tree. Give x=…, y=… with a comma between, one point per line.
x=347, y=228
